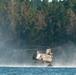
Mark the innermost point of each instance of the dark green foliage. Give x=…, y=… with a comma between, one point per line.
x=40, y=22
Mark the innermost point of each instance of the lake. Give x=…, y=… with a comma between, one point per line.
x=36, y=71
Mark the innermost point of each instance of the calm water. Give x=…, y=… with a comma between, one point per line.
x=37, y=71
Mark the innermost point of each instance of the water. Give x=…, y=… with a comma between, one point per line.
x=36, y=71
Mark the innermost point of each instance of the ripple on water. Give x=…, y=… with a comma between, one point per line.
x=36, y=71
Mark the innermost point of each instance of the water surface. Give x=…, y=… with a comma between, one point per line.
x=36, y=71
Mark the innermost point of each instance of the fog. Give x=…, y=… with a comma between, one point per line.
x=13, y=55
x=63, y=56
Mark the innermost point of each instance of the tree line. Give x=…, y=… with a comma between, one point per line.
x=38, y=22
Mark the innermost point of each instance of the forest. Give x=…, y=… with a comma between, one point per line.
x=36, y=22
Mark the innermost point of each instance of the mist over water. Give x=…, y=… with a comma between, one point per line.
x=63, y=56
